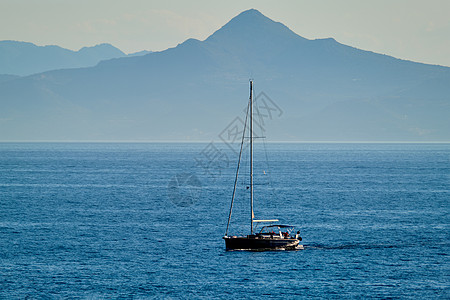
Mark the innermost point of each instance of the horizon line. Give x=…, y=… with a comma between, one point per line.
x=219, y=142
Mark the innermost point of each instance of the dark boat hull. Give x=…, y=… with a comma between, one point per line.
x=256, y=243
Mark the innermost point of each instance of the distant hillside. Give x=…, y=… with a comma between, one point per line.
x=327, y=91
x=140, y=53
x=6, y=77
x=22, y=58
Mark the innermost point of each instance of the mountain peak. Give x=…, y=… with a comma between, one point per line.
x=252, y=13
x=105, y=48
x=252, y=24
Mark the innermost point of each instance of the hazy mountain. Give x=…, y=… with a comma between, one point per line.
x=140, y=53
x=6, y=77
x=326, y=91
x=22, y=58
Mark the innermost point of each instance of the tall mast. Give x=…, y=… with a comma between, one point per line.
x=237, y=170
x=251, y=155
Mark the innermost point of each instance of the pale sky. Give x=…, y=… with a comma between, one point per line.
x=417, y=30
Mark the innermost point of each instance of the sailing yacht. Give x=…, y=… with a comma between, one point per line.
x=272, y=236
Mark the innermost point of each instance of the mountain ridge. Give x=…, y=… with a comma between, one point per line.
x=328, y=91
x=24, y=58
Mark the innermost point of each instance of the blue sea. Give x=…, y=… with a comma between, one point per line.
x=146, y=220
